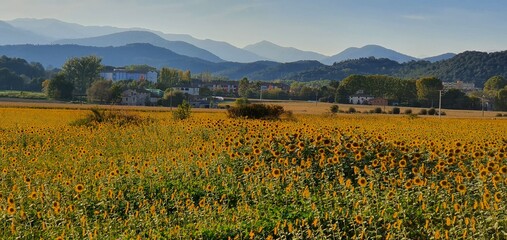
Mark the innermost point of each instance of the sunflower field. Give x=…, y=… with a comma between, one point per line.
x=211, y=177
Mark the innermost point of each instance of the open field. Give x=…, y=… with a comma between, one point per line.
x=351, y=176
x=297, y=107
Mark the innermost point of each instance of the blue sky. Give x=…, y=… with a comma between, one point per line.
x=416, y=27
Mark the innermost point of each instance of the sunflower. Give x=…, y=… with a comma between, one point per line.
x=275, y=172
x=444, y=184
x=11, y=210
x=362, y=182
x=498, y=197
x=402, y=163
x=79, y=188
x=246, y=170
x=358, y=219
x=462, y=189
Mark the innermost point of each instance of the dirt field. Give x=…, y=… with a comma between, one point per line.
x=297, y=107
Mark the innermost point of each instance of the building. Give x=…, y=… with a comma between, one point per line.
x=141, y=97
x=194, y=91
x=378, y=102
x=122, y=74
x=460, y=85
x=360, y=99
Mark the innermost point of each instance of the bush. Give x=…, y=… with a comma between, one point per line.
x=378, y=110
x=498, y=115
x=256, y=111
x=396, y=110
x=334, y=108
x=182, y=112
x=408, y=111
x=120, y=118
x=423, y=112
x=432, y=111
x=352, y=110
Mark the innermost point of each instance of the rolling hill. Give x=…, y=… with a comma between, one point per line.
x=130, y=37
x=282, y=54
x=368, y=51
x=10, y=35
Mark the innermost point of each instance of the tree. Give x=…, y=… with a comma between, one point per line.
x=427, y=90
x=495, y=83
x=244, y=87
x=182, y=112
x=9, y=80
x=58, y=88
x=501, y=100
x=82, y=72
x=100, y=91
x=172, y=97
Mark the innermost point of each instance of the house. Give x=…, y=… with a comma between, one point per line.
x=360, y=99
x=460, y=85
x=194, y=91
x=378, y=102
x=225, y=86
x=141, y=97
x=122, y=74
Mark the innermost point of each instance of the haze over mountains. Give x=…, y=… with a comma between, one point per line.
x=52, y=31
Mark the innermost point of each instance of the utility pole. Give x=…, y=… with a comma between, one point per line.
x=440, y=104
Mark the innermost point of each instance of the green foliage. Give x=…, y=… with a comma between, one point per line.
x=9, y=80
x=432, y=111
x=59, y=88
x=119, y=118
x=20, y=66
x=334, y=108
x=173, y=77
x=427, y=90
x=172, y=98
x=182, y=112
x=241, y=102
x=456, y=99
x=82, y=72
x=379, y=86
x=256, y=111
x=408, y=111
x=244, y=88
x=100, y=91
x=396, y=110
x=501, y=100
x=351, y=110
x=377, y=110
x=23, y=94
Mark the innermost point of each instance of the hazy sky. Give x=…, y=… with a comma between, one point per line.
x=416, y=27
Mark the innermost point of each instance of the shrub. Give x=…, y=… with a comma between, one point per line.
x=334, y=108
x=408, y=111
x=182, y=112
x=423, y=112
x=120, y=118
x=256, y=111
x=498, y=115
x=378, y=110
x=432, y=111
x=396, y=110
x=352, y=110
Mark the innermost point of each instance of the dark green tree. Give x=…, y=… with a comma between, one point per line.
x=427, y=90
x=244, y=88
x=59, y=88
x=82, y=72
x=100, y=91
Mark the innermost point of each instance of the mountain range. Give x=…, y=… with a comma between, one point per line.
x=52, y=31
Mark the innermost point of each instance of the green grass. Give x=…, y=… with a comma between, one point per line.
x=22, y=94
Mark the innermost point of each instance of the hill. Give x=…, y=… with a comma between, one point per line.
x=12, y=35
x=368, y=51
x=282, y=54
x=129, y=37
x=140, y=53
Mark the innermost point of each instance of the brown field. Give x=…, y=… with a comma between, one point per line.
x=297, y=107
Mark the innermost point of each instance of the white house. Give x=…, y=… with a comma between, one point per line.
x=122, y=74
x=194, y=91
x=135, y=97
x=360, y=99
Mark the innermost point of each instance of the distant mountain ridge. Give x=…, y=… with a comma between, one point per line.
x=469, y=66
x=130, y=37
x=44, y=31
x=282, y=54
x=368, y=51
